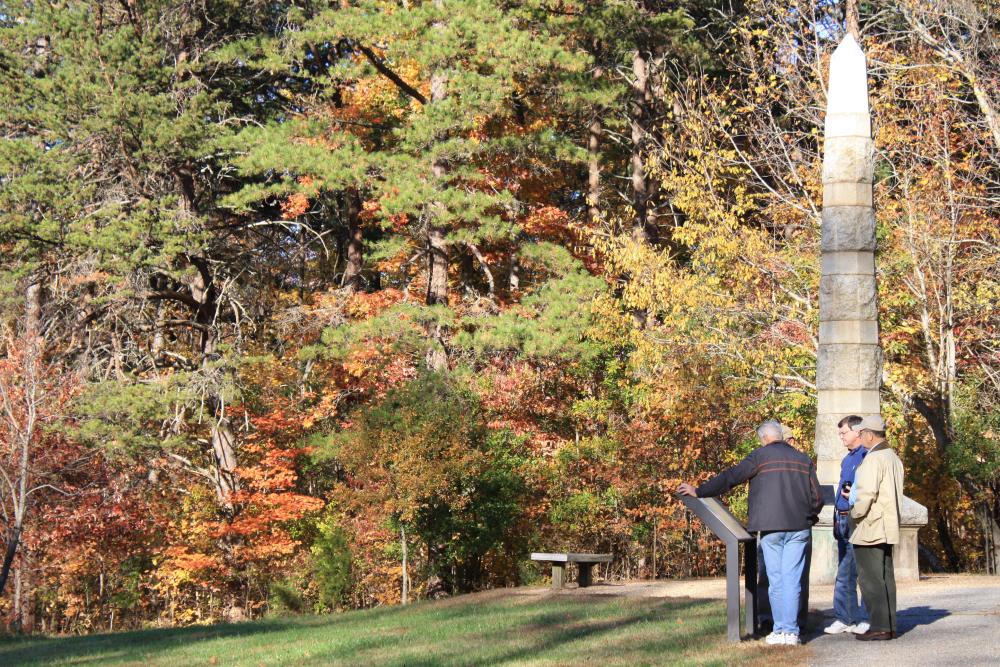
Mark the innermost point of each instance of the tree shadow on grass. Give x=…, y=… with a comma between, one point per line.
x=137, y=645
x=535, y=636
x=497, y=631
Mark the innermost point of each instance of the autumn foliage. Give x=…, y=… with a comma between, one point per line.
x=348, y=304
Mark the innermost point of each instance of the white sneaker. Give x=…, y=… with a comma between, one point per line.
x=792, y=640
x=775, y=638
x=860, y=628
x=838, y=627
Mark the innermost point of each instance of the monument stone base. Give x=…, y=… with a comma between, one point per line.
x=913, y=516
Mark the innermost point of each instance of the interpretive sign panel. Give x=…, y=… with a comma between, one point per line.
x=727, y=528
x=718, y=518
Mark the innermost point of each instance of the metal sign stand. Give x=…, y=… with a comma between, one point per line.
x=720, y=521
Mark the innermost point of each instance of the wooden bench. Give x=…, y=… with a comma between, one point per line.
x=559, y=561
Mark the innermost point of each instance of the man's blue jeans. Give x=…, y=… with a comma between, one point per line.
x=846, y=606
x=785, y=559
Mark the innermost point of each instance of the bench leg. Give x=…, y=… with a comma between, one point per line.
x=585, y=579
x=558, y=575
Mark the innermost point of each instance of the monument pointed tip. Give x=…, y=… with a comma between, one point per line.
x=848, y=45
x=848, y=91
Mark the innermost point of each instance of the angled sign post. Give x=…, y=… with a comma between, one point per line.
x=727, y=528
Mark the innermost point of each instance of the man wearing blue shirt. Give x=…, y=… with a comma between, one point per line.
x=851, y=615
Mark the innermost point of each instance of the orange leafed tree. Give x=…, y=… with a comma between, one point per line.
x=34, y=394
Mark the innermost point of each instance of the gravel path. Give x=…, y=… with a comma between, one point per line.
x=943, y=620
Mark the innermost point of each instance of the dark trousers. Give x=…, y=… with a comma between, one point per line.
x=878, y=585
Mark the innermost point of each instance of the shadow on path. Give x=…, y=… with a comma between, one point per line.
x=911, y=617
x=906, y=619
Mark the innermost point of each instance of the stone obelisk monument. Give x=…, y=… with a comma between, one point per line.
x=849, y=359
x=849, y=363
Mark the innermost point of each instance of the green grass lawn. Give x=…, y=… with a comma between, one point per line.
x=518, y=627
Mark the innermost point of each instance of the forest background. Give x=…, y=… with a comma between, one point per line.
x=321, y=305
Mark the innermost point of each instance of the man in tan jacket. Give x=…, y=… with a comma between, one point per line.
x=877, y=494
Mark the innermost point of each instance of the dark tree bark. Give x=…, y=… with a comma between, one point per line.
x=13, y=541
x=642, y=228
x=944, y=535
x=355, y=241
x=437, y=267
x=437, y=246
x=851, y=18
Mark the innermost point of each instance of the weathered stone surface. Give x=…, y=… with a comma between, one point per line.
x=847, y=194
x=847, y=297
x=828, y=470
x=847, y=125
x=862, y=332
x=848, y=159
x=847, y=228
x=829, y=449
x=905, y=566
x=848, y=367
x=848, y=262
x=859, y=402
x=823, y=570
x=912, y=513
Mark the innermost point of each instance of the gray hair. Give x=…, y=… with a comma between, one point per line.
x=769, y=431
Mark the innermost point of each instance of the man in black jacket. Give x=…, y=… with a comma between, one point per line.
x=784, y=503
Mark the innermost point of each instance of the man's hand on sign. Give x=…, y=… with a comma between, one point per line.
x=686, y=489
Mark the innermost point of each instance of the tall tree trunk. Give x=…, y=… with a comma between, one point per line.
x=642, y=229
x=223, y=439
x=656, y=539
x=988, y=516
x=25, y=431
x=437, y=267
x=24, y=608
x=406, y=577
x=944, y=535
x=437, y=246
x=355, y=240
x=33, y=309
x=18, y=601
x=159, y=326
x=851, y=18
x=224, y=458
x=594, y=131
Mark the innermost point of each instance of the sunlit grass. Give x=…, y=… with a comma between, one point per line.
x=511, y=628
